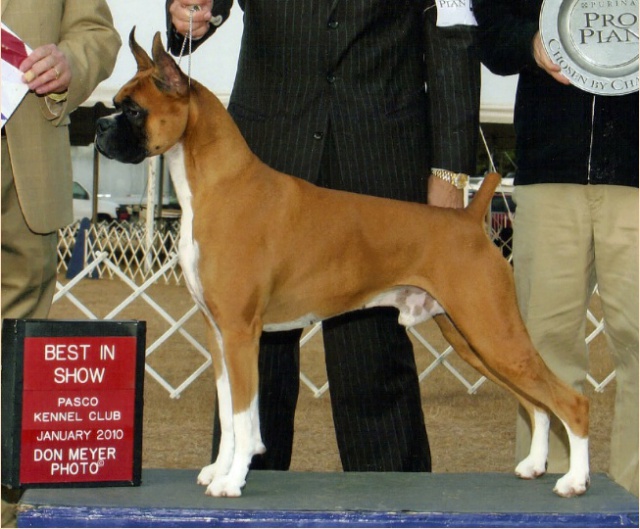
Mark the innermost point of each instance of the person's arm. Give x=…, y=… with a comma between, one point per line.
x=453, y=93
x=505, y=35
x=68, y=71
x=205, y=21
x=509, y=39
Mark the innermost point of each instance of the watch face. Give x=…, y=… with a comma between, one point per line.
x=595, y=42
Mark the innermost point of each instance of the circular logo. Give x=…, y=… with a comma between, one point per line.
x=595, y=42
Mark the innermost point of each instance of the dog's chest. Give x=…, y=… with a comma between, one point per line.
x=188, y=249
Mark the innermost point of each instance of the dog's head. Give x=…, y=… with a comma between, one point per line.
x=153, y=108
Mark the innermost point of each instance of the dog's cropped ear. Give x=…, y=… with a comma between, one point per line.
x=142, y=59
x=168, y=76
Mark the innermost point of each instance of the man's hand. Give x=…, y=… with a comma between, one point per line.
x=46, y=70
x=544, y=62
x=443, y=194
x=180, y=13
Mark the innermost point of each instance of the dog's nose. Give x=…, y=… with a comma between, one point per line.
x=101, y=125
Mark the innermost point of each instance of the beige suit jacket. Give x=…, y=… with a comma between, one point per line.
x=39, y=140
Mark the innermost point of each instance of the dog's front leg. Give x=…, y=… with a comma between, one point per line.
x=245, y=447
x=241, y=363
x=224, y=458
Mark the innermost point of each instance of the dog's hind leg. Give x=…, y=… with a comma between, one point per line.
x=513, y=360
x=241, y=362
x=526, y=370
x=534, y=465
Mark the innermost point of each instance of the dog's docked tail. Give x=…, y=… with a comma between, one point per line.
x=481, y=200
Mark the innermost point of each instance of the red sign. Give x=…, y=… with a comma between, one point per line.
x=78, y=409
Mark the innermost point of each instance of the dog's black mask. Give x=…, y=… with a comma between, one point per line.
x=122, y=136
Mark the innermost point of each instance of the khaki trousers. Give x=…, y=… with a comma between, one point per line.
x=567, y=238
x=28, y=265
x=29, y=259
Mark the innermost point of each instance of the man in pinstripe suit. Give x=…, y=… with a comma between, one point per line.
x=333, y=91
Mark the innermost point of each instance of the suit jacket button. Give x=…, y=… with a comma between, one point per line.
x=331, y=78
x=318, y=135
x=333, y=24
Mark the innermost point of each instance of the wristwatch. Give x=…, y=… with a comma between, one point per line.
x=458, y=180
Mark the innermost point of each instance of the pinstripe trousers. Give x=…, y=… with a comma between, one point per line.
x=373, y=382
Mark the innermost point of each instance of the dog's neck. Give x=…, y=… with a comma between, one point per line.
x=213, y=146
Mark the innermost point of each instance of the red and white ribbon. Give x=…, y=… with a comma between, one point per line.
x=13, y=52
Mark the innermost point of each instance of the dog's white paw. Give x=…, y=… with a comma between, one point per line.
x=531, y=467
x=572, y=484
x=207, y=475
x=225, y=487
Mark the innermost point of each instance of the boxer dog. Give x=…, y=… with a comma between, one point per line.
x=250, y=266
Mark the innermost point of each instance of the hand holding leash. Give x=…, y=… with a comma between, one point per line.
x=180, y=16
x=192, y=10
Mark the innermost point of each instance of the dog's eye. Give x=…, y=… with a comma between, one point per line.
x=133, y=113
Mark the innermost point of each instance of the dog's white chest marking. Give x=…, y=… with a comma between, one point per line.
x=188, y=250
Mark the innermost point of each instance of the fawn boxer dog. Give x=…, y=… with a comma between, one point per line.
x=244, y=226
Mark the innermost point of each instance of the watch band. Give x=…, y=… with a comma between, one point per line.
x=458, y=180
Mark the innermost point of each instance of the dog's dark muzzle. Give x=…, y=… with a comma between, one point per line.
x=116, y=140
x=105, y=130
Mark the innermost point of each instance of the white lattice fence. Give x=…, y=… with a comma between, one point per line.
x=139, y=259
x=129, y=246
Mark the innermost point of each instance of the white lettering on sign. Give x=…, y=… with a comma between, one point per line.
x=110, y=435
x=107, y=353
x=78, y=402
x=113, y=415
x=56, y=416
x=47, y=454
x=78, y=375
x=65, y=352
x=78, y=392
x=88, y=453
x=76, y=469
x=64, y=435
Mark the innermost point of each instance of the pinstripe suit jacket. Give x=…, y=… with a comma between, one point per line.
x=39, y=140
x=355, y=69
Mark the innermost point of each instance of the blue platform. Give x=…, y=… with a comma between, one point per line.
x=171, y=498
